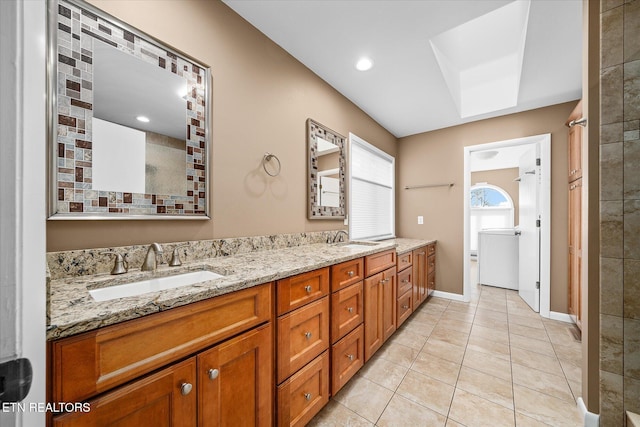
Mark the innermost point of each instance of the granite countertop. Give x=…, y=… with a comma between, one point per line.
x=72, y=310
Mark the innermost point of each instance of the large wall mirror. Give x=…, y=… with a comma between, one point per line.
x=327, y=172
x=129, y=121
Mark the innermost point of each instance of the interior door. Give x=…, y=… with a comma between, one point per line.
x=529, y=242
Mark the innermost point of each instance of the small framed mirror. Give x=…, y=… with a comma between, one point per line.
x=327, y=172
x=128, y=118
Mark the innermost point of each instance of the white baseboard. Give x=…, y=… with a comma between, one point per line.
x=590, y=419
x=562, y=317
x=448, y=295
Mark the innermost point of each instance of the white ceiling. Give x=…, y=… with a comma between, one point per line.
x=405, y=91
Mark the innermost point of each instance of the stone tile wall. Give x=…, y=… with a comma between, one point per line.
x=619, y=210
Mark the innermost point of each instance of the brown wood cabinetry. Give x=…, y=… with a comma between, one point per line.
x=296, y=291
x=379, y=262
x=404, y=290
x=379, y=310
x=224, y=385
x=575, y=215
x=431, y=268
x=419, y=276
x=346, y=310
x=347, y=357
x=346, y=273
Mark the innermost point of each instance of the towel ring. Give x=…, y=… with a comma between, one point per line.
x=267, y=158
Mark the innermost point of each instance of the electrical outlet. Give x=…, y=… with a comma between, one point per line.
x=420, y=219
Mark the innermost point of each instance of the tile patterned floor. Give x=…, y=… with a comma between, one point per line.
x=490, y=362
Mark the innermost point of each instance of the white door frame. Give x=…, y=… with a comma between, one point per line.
x=23, y=195
x=545, y=200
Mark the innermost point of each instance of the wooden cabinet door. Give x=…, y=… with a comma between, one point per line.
x=388, y=303
x=379, y=310
x=346, y=310
x=419, y=276
x=575, y=250
x=235, y=381
x=166, y=398
x=346, y=358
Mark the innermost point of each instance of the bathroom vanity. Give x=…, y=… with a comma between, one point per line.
x=266, y=343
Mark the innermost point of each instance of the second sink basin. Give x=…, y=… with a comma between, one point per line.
x=152, y=285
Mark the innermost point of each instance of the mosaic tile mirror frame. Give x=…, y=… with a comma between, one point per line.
x=162, y=173
x=327, y=172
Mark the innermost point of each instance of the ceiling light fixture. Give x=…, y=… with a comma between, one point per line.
x=364, y=64
x=142, y=119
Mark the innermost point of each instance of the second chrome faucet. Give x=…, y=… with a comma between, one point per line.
x=151, y=260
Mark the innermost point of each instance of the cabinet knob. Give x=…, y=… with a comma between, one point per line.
x=185, y=388
x=350, y=309
x=213, y=374
x=350, y=273
x=405, y=280
x=350, y=357
x=405, y=260
x=307, y=396
x=405, y=306
x=308, y=289
x=308, y=335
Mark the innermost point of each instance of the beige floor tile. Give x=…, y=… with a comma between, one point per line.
x=571, y=352
x=463, y=307
x=401, y=412
x=496, y=349
x=437, y=301
x=487, y=322
x=383, y=372
x=523, y=311
x=449, y=335
x=526, y=331
x=541, y=381
x=364, y=397
x=488, y=333
x=425, y=317
x=426, y=391
x=408, y=338
x=482, y=313
x=544, y=408
x=398, y=354
x=437, y=368
x=444, y=350
x=524, y=421
x=458, y=315
x=576, y=389
x=471, y=410
x=337, y=415
x=455, y=325
x=452, y=423
x=525, y=321
x=487, y=363
x=535, y=360
x=542, y=347
x=571, y=371
x=489, y=387
x=418, y=327
x=490, y=305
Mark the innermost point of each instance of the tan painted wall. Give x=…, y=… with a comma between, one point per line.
x=503, y=178
x=262, y=98
x=437, y=157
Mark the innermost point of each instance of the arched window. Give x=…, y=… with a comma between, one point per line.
x=491, y=207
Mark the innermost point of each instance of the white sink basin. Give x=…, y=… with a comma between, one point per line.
x=152, y=285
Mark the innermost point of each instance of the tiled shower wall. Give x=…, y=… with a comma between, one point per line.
x=619, y=210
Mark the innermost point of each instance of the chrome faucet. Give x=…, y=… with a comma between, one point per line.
x=151, y=260
x=335, y=238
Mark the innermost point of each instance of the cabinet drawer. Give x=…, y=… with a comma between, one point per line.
x=431, y=283
x=431, y=264
x=296, y=291
x=347, y=357
x=95, y=361
x=346, y=273
x=305, y=393
x=431, y=249
x=405, y=260
x=379, y=262
x=405, y=281
x=346, y=310
x=404, y=308
x=302, y=335
x=152, y=401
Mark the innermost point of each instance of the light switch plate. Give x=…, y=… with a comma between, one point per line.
x=420, y=219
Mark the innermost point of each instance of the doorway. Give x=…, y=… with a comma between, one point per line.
x=508, y=153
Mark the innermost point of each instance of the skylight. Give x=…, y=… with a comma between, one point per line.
x=481, y=60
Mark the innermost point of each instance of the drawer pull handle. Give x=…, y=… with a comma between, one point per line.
x=422, y=253
x=351, y=273
x=350, y=309
x=308, y=335
x=308, y=289
x=185, y=388
x=405, y=280
x=307, y=396
x=405, y=260
x=405, y=306
x=213, y=374
x=350, y=357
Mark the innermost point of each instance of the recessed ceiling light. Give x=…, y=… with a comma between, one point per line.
x=142, y=119
x=364, y=64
